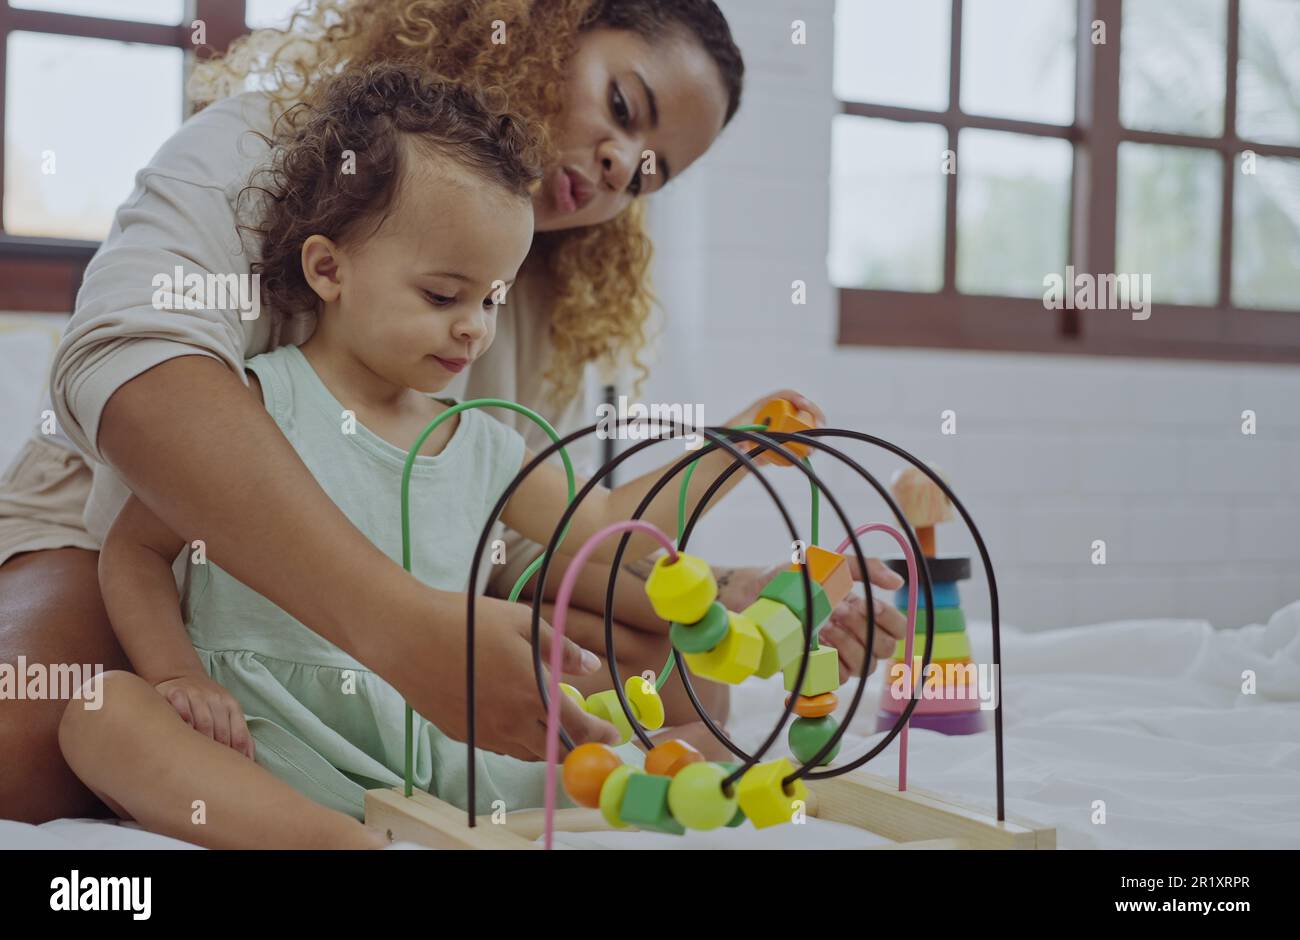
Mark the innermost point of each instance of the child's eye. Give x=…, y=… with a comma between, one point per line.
x=619, y=105
x=438, y=300
x=489, y=303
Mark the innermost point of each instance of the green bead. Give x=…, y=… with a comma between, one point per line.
x=606, y=706
x=696, y=799
x=739, y=819
x=782, y=634
x=787, y=588
x=702, y=636
x=946, y=620
x=809, y=735
x=823, y=674
x=645, y=804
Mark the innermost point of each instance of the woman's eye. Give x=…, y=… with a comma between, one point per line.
x=438, y=300
x=619, y=105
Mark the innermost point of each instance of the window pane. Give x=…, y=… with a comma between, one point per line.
x=1013, y=211
x=888, y=52
x=263, y=13
x=1169, y=204
x=1268, y=99
x=71, y=148
x=1266, y=235
x=144, y=11
x=887, y=203
x=1018, y=58
x=1172, y=66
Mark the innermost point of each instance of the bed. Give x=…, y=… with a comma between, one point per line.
x=1146, y=715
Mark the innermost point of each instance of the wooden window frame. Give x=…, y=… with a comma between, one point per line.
x=42, y=275
x=952, y=320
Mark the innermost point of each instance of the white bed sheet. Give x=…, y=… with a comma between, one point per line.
x=1147, y=716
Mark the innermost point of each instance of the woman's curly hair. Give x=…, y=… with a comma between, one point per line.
x=598, y=276
x=336, y=171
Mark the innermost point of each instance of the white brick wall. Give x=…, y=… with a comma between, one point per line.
x=1051, y=452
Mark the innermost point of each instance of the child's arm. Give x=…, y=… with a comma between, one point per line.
x=535, y=508
x=135, y=577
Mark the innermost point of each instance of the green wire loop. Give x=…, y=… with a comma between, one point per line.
x=411, y=455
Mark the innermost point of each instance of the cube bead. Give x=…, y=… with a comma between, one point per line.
x=645, y=701
x=611, y=795
x=782, y=634
x=682, y=590
x=668, y=758
x=809, y=735
x=696, y=799
x=830, y=570
x=645, y=804
x=782, y=416
x=585, y=770
x=734, y=659
x=823, y=674
x=787, y=588
x=762, y=797
x=606, y=705
x=704, y=634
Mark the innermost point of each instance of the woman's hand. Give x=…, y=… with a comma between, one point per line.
x=846, y=628
x=210, y=709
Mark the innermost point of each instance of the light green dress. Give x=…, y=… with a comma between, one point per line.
x=322, y=722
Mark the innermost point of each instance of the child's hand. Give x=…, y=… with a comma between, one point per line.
x=210, y=709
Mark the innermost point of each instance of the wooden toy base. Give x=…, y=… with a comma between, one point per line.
x=915, y=819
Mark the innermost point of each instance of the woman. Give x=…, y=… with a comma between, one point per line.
x=614, y=89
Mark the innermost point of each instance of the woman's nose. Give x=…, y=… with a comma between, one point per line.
x=617, y=164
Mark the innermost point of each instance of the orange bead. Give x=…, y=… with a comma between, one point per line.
x=780, y=415
x=585, y=770
x=815, y=706
x=671, y=756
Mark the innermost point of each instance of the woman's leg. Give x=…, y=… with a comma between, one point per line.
x=50, y=614
x=154, y=768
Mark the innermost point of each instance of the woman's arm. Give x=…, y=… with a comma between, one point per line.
x=208, y=460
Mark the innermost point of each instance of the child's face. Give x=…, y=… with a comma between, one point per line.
x=417, y=300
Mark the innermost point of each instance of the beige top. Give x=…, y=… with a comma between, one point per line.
x=182, y=213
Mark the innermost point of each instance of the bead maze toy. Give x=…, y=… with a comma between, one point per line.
x=678, y=789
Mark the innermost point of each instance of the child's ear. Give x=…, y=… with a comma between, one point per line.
x=320, y=267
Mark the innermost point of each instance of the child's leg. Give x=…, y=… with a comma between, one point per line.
x=141, y=758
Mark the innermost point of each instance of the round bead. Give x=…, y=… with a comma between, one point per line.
x=704, y=634
x=611, y=795
x=605, y=705
x=574, y=694
x=696, y=799
x=681, y=590
x=585, y=771
x=809, y=735
x=645, y=701
x=815, y=706
x=667, y=759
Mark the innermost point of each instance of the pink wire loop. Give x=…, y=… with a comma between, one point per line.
x=562, y=598
x=911, y=624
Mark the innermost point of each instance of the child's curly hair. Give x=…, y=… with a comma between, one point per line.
x=598, y=276
x=338, y=167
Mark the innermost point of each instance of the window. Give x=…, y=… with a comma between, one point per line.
x=985, y=145
x=88, y=91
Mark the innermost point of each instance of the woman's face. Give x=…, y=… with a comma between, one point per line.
x=625, y=96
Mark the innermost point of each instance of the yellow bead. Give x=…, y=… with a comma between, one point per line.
x=823, y=674
x=606, y=705
x=681, y=591
x=645, y=701
x=612, y=793
x=574, y=694
x=697, y=800
x=762, y=798
x=733, y=660
x=782, y=634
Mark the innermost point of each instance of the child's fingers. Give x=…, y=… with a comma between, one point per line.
x=181, y=702
x=583, y=727
x=220, y=709
x=240, y=739
x=202, y=716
